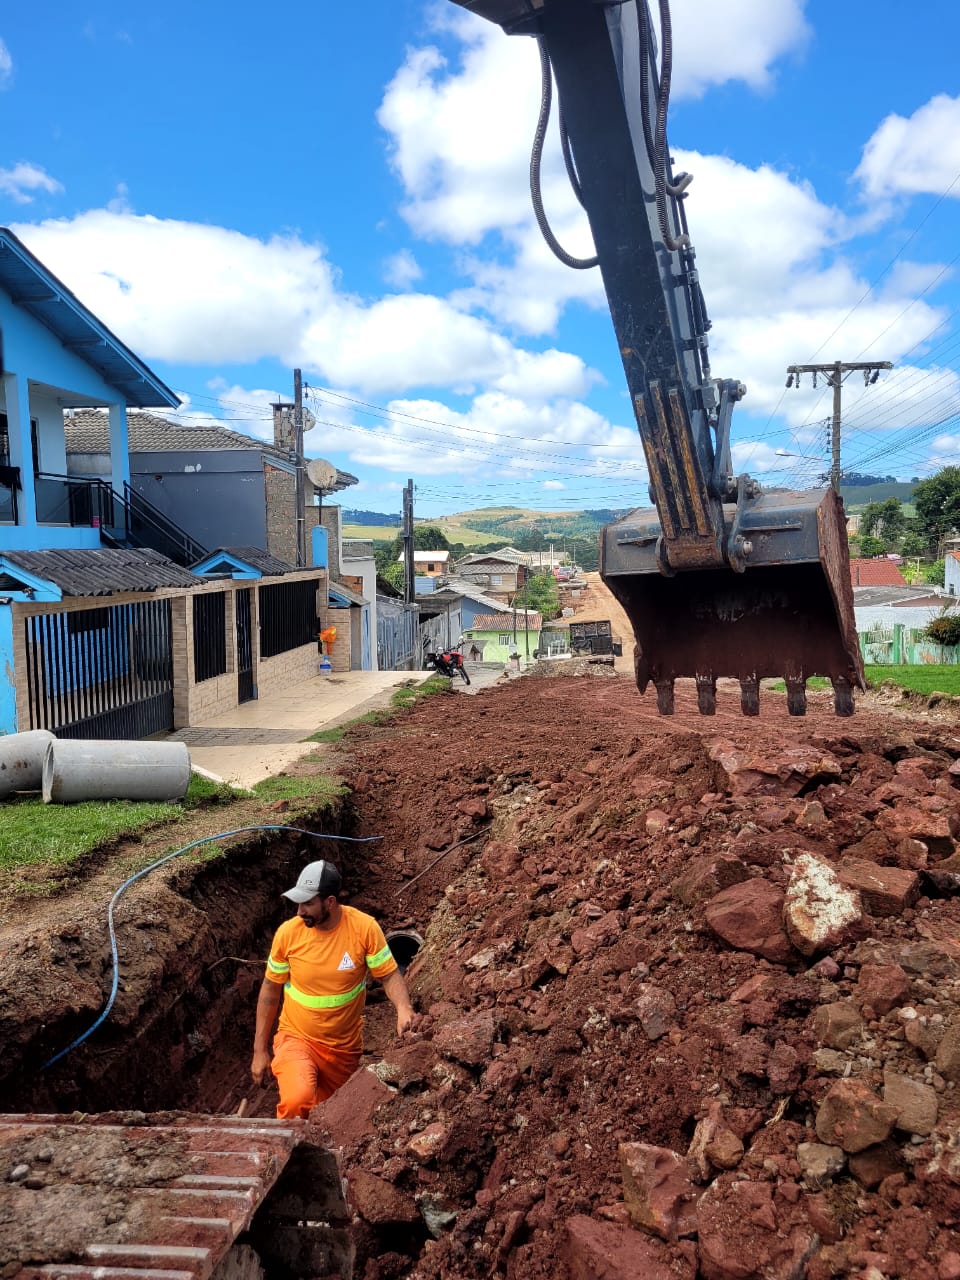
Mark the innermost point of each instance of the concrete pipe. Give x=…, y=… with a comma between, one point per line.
x=75, y=770
x=404, y=944
x=21, y=760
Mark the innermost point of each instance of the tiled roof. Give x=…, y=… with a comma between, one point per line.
x=876, y=573
x=256, y=558
x=504, y=621
x=103, y=572
x=88, y=431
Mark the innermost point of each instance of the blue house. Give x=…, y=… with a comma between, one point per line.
x=64, y=539
x=54, y=355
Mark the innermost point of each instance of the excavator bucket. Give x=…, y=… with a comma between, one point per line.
x=788, y=615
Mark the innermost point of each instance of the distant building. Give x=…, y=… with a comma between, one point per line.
x=876, y=573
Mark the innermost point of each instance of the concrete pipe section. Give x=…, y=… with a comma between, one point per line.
x=76, y=770
x=404, y=944
x=21, y=760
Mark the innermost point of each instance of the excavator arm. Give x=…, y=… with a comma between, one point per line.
x=719, y=579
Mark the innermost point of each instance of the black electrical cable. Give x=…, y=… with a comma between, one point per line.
x=661, y=157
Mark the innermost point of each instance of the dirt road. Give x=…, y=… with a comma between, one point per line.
x=689, y=989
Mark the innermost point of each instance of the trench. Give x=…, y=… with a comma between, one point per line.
x=192, y=949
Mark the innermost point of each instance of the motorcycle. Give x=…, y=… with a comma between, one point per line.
x=449, y=663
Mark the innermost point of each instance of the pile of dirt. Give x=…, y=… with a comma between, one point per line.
x=690, y=1001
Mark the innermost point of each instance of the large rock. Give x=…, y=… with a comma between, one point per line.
x=837, y=1025
x=707, y=876
x=820, y=1162
x=348, y=1114
x=656, y=1009
x=913, y=822
x=818, y=911
x=883, y=987
x=886, y=891
x=948, y=1052
x=916, y=1103
x=851, y=1116
x=611, y=1251
x=714, y=1145
x=749, y=917
x=786, y=773
x=378, y=1201
x=659, y=1195
x=468, y=1039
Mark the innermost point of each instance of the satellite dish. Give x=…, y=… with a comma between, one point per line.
x=309, y=420
x=322, y=474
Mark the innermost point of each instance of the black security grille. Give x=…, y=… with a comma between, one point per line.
x=101, y=673
x=209, y=636
x=288, y=616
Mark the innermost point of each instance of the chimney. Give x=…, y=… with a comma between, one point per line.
x=284, y=432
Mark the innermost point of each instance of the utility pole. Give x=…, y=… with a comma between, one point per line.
x=833, y=375
x=298, y=447
x=409, y=582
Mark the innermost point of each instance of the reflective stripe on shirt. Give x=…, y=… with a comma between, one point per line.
x=323, y=1002
x=374, y=962
x=277, y=968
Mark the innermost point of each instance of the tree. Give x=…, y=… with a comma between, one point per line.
x=885, y=521
x=937, y=501
x=540, y=593
x=945, y=629
x=913, y=544
x=870, y=547
x=935, y=573
x=427, y=537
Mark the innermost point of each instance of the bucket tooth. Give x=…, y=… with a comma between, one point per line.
x=842, y=696
x=796, y=695
x=750, y=696
x=707, y=694
x=664, y=697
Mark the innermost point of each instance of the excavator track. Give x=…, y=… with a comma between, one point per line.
x=130, y=1196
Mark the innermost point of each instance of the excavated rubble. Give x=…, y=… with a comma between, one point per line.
x=688, y=992
x=690, y=1000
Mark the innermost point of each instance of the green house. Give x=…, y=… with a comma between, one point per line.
x=498, y=635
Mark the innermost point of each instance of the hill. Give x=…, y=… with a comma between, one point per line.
x=856, y=497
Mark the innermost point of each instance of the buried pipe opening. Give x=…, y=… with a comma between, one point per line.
x=404, y=945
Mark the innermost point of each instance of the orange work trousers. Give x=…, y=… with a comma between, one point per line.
x=308, y=1073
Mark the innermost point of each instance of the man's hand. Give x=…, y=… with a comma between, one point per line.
x=406, y=1020
x=260, y=1065
x=399, y=997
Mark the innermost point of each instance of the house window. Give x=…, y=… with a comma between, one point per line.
x=431, y=568
x=504, y=638
x=496, y=579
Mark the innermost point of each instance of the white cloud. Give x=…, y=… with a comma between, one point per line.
x=25, y=180
x=916, y=154
x=554, y=484
x=6, y=66
x=456, y=137
x=402, y=270
x=191, y=293
x=738, y=40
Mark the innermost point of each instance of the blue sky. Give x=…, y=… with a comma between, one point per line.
x=239, y=190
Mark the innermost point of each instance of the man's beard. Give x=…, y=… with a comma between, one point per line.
x=311, y=922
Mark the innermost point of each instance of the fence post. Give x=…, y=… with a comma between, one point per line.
x=897, y=644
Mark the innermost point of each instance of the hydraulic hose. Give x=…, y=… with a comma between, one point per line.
x=114, y=954
x=536, y=157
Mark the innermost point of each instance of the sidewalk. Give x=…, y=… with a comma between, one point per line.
x=260, y=738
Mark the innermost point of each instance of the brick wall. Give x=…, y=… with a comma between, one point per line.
x=193, y=702
x=280, y=499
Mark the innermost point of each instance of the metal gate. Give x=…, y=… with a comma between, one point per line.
x=101, y=673
x=244, y=646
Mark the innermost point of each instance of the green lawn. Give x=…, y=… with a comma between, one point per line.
x=33, y=832
x=923, y=678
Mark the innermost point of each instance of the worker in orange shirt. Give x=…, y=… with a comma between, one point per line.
x=318, y=966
